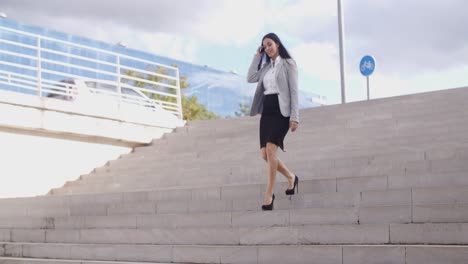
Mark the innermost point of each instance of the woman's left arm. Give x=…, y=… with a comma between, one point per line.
x=293, y=90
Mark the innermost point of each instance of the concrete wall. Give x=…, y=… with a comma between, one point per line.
x=100, y=121
x=45, y=142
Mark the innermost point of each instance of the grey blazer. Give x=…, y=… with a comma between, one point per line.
x=286, y=78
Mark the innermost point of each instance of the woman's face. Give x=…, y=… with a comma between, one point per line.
x=271, y=48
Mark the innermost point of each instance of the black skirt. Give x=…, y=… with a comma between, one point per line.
x=273, y=125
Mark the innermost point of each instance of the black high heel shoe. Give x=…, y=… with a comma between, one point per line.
x=296, y=186
x=269, y=207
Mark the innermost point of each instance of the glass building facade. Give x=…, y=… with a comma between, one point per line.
x=37, y=54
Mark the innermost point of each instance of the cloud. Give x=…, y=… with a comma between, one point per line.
x=221, y=22
x=405, y=36
x=320, y=60
x=308, y=20
x=147, y=15
x=82, y=22
x=235, y=22
x=172, y=46
x=408, y=36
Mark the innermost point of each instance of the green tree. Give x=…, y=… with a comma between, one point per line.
x=244, y=110
x=191, y=108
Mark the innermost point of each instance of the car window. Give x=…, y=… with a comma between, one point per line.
x=68, y=81
x=102, y=86
x=65, y=83
x=91, y=84
x=130, y=92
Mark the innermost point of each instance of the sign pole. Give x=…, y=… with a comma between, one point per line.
x=367, y=77
x=342, y=55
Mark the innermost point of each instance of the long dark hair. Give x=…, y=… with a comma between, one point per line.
x=283, y=52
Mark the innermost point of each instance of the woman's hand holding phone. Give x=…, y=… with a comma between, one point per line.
x=260, y=50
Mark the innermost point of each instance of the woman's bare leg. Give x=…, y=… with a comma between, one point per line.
x=282, y=169
x=272, y=167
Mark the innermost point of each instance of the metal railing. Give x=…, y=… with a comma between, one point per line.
x=70, y=71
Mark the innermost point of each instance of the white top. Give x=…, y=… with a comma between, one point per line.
x=269, y=81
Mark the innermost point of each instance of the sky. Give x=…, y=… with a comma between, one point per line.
x=418, y=45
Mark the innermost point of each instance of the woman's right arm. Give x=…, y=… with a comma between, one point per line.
x=254, y=75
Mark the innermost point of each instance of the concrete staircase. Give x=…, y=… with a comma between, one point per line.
x=384, y=181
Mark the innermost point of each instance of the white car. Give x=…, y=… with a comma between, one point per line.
x=95, y=91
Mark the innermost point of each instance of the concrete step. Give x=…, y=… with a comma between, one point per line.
x=352, y=129
x=330, y=254
x=208, y=202
x=335, y=158
x=446, y=180
x=327, y=118
x=414, y=174
x=318, y=188
x=418, y=205
x=323, y=139
x=350, y=234
x=371, y=134
x=411, y=205
x=328, y=159
x=348, y=111
x=11, y=260
x=394, y=181
x=141, y=253
x=330, y=117
x=296, y=156
x=363, y=166
x=295, y=144
x=176, y=218
x=237, y=191
x=315, y=185
x=426, y=180
x=296, y=235
x=216, y=219
x=424, y=171
x=321, y=234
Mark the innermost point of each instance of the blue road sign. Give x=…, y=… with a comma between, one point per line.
x=367, y=65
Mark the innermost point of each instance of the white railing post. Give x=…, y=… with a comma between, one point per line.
x=119, y=86
x=179, y=95
x=39, y=68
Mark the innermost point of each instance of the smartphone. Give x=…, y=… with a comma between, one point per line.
x=263, y=59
